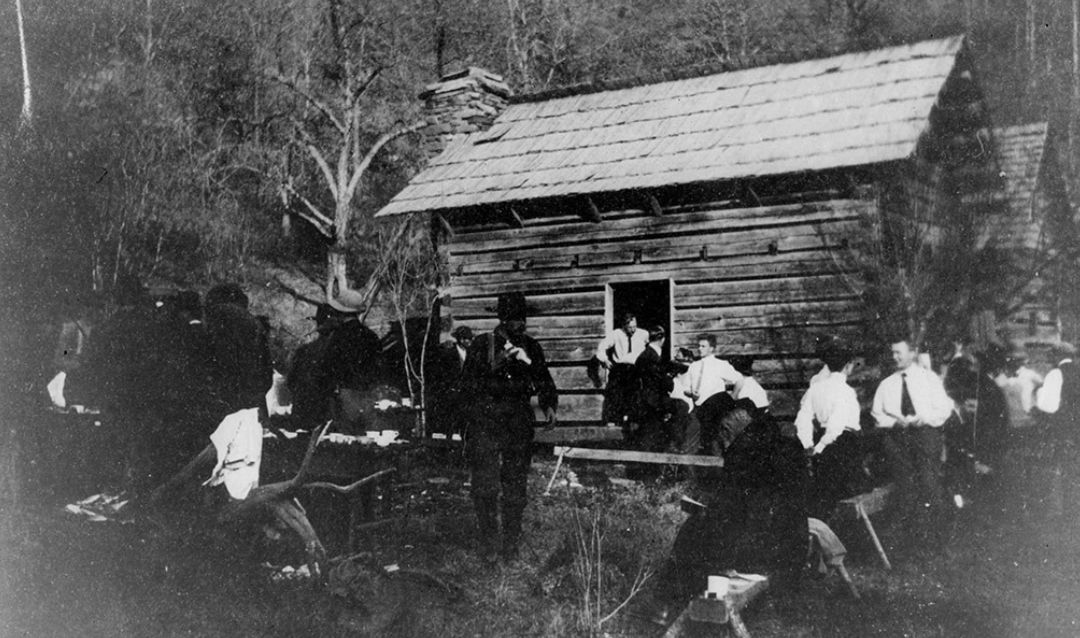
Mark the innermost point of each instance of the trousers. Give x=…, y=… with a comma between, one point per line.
x=499, y=450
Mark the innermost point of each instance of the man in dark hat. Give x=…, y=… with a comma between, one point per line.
x=503, y=369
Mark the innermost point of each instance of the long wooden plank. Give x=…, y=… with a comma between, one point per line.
x=632, y=456
x=766, y=371
x=726, y=293
x=586, y=302
x=658, y=254
x=644, y=225
x=660, y=247
x=799, y=310
x=811, y=263
x=586, y=326
x=573, y=434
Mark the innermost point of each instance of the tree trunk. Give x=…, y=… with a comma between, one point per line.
x=26, y=118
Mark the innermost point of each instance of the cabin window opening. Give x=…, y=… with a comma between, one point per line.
x=649, y=301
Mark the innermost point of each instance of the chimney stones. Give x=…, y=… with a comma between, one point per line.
x=460, y=103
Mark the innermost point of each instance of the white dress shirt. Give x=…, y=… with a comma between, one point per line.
x=1048, y=398
x=680, y=385
x=711, y=376
x=928, y=397
x=834, y=404
x=1019, y=390
x=625, y=348
x=749, y=388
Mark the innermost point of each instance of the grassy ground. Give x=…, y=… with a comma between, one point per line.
x=1003, y=573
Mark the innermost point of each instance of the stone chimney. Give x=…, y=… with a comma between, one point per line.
x=462, y=102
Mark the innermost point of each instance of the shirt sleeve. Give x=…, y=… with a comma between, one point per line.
x=1048, y=397
x=843, y=410
x=605, y=344
x=941, y=406
x=877, y=409
x=728, y=372
x=804, y=422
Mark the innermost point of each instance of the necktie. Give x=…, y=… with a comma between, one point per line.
x=907, y=408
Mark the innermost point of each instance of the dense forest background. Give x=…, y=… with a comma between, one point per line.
x=180, y=140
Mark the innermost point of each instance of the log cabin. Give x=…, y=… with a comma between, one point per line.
x=1030, y=225
x=726, y=203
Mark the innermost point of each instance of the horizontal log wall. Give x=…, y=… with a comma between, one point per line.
x=766, y=280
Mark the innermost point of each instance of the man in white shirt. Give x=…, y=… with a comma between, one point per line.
x=830, y=409
x=709, y=378
x=912, y=404
x=1019, y=383
x=617, y=353
x=1049, y=397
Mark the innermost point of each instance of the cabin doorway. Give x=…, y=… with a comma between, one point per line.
x=650, y=301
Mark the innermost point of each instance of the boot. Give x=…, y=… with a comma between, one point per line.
x=487, y=528
x=511, y=535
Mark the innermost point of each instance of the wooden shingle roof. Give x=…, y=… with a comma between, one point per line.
x=1015, y=225
x=848, y=110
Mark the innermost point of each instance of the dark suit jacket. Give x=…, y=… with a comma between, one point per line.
x=656, y=384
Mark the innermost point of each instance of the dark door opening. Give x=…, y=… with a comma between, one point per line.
x=650, y=301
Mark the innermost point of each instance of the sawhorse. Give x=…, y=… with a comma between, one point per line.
x=725, y=611
x=863, y=505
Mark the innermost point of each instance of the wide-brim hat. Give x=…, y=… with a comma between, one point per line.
x=325, y=313
x=512, y=306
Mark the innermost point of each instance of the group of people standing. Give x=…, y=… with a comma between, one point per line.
x=166, y=373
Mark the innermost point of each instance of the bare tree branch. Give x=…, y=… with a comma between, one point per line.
x=321, y=222
x=385, y=138
x=311, y=99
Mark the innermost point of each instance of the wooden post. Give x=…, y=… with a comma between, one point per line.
x=861, y=511
x=558, y=465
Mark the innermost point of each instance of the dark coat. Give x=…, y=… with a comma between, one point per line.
x=755, y=520
x=490, y=376
x=655, y=384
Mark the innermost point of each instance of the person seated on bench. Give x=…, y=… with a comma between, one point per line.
x=684, y=426
x=828, y=428
x=710, y=377
x=755, y=518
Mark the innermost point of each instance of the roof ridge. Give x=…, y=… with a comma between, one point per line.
x=701, y=70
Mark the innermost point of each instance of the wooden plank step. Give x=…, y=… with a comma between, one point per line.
x=633, y=456
x=574, y=434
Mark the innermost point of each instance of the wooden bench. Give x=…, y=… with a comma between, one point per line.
x=629, y=456
x=725, y=611
x=862, y=506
